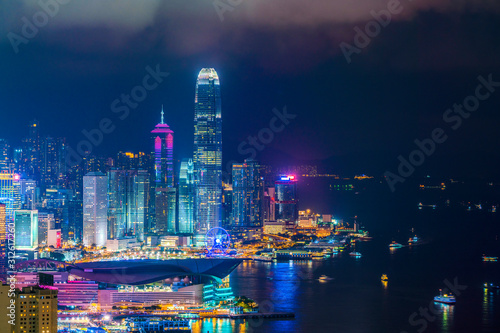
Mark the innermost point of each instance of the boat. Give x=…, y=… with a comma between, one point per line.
x=157, y=325
x=493, y=259
x=445, y=298
x=355, y=254
x=262, y=258
x=384, y=277
x=413, y=240
x=395, y=245
x=491, y=286
x=325, y=278
x=318, y=256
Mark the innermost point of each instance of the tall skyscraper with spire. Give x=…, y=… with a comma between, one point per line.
x=163, y=190
x=163, y=138
x=207, y=155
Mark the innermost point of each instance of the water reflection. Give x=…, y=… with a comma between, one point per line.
x=447, y=314
x=488, y=305
x=216, y=325
x=385, y=284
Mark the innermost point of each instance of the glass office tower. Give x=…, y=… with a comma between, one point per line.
x=95, y=209
x=247, y=195
x=207, y=157
x=186, y=196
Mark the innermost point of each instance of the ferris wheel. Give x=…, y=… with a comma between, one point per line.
x=217, y=241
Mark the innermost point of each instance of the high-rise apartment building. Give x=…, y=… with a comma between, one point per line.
x=35, y=310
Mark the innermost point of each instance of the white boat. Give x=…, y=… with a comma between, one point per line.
x=445, y=298
x=355, y=254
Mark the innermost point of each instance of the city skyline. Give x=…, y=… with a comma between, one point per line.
x=343, y=136
x=231, y=166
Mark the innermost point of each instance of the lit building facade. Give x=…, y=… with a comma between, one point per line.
x=227, y=204
x=53, y=163
x=26, y=229
x=95, y=207
x=163, y=138
x=74, y=230
x=128, y=194
x=247, y=195
x=216, y=293
x=132, y=161
x=35, y=310
x=186, y=196
x=10, y=193
x=46, y=222
x=286, y=199
x=165, y=199
x=4, y=156
x=207, y=155
x=3, y=225
x=28, y=192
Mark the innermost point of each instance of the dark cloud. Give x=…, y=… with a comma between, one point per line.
x=298, y=33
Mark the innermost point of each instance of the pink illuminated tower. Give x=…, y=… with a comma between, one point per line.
x=163, y=138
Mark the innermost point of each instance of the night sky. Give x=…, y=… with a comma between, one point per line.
x=351, y=118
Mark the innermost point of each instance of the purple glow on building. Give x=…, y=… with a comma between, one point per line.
x=163, y=154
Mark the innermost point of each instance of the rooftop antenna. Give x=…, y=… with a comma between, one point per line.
x=162, y=115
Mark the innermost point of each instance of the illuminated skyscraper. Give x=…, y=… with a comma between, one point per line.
x=46, y=222
x=186, y=196
x=162, y=188
x=227, y=204
x=131, y=161
x=165, y=210
x=26, y=229
x=31, y=160
x=53, y=157
x=286, y=199
x=95, y=209
x=28, y=193
x=74, y=230
x=247, y=195
x=207, y=155
x=4, y=156
x=10, y=193
x=163, y=138
x=128, y=193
